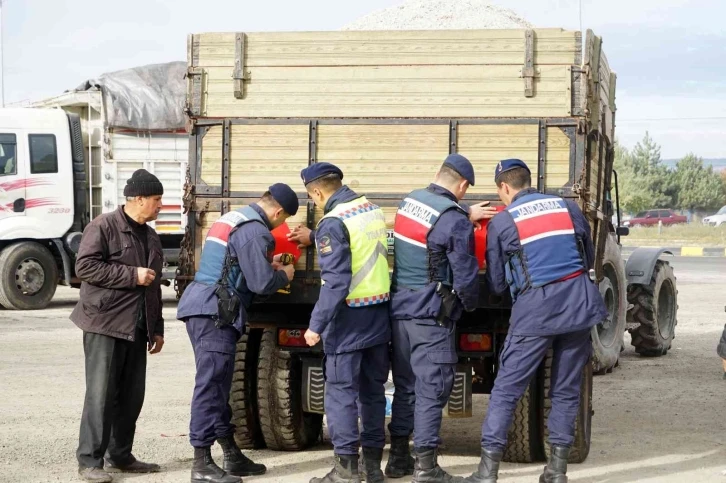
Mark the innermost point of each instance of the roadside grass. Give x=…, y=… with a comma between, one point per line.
x=677, y=235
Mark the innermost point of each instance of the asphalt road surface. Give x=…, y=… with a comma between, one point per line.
x=656, y=420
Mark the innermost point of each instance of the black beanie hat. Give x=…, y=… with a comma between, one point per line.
x=143, y=183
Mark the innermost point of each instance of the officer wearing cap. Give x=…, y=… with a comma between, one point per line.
x=540, y=249
x=435, y=278
x=235, y=265
x=352, y=317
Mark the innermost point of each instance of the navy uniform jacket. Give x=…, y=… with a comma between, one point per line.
x=344, y=329
x=252, y=244
x=453, y=234
x=557, y=308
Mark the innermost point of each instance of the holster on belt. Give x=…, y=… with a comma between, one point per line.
x=228, y=301
x=448, y=304
x=227, y=306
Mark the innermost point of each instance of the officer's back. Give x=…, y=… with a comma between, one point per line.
x=344, y=326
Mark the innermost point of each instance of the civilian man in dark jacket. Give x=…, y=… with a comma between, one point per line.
x=540, y=250
x=235, y=267
x=119, y=262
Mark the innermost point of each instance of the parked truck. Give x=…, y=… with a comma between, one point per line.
x=89, y=141
x=387, y=107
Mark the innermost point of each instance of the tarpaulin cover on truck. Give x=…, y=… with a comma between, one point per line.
x=146, y=98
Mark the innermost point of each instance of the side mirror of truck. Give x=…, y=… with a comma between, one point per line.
x=622, y=231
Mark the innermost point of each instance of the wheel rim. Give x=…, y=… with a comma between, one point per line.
x=29, y=277
x=666, y=309
x=606, y=329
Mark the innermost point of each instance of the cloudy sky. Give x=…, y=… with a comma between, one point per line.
x=670, y=55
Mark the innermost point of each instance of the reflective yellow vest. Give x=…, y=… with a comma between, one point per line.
x=366, y=227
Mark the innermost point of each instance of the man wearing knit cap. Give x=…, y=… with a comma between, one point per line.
x=119, y=312
x=234, y=267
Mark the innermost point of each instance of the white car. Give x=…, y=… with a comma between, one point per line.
x=717, y=219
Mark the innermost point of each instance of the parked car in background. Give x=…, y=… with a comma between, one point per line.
x=652, y=217
x=717, y=219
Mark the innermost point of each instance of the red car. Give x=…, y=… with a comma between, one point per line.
x=652, y=217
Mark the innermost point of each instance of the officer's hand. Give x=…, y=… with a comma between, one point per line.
x=144, y=276
x=276, y=265
x=155, y=348
x=300, y=235
x=289, y=271
x=481, y=211
x=311, y=337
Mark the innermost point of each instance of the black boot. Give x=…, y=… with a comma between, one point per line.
x=556, y=469
x=205, y=470
x=427, y=470
x=345, y=470
x=236, y=463
x=488, y=470
x=400, y=461
x=371, y=465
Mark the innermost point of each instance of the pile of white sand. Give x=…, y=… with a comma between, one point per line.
x=442, y=15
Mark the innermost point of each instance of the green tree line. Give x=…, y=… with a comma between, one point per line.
x=646, y=183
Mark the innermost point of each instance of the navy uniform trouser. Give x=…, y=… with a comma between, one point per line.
x=352, y=379
x=423, y=364
x=214, y=350
x=519, y=361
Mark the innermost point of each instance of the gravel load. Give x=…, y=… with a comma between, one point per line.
x=442, y=15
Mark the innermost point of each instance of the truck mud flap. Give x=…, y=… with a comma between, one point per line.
x=313, y=391
x=459, y=405
x=313, y=386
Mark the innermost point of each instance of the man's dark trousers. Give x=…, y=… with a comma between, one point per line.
x=214, y=350
x=518, y=363
x=355, y=385
x=115, y=388
x=424, y=365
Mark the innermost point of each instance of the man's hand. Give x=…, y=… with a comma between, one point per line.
x=155, y=348
x=300, y=235
x=481, y=211
x=289, y=271
x=144, y=276
x=311, y=337
x=276, y=265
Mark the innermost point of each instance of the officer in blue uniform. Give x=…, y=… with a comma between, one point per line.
x=540, y=249
x=435, y=278
x=352, y=317
x=235, y=266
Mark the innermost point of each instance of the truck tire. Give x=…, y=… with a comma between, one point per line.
x=607, y=336
x=28, y=276
x=243, y=398
x=284, y=424
x=583, y=424
x=654, y=310
x=524, y=441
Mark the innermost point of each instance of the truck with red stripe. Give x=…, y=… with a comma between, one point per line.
x=387, y=107
x=65, y=160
